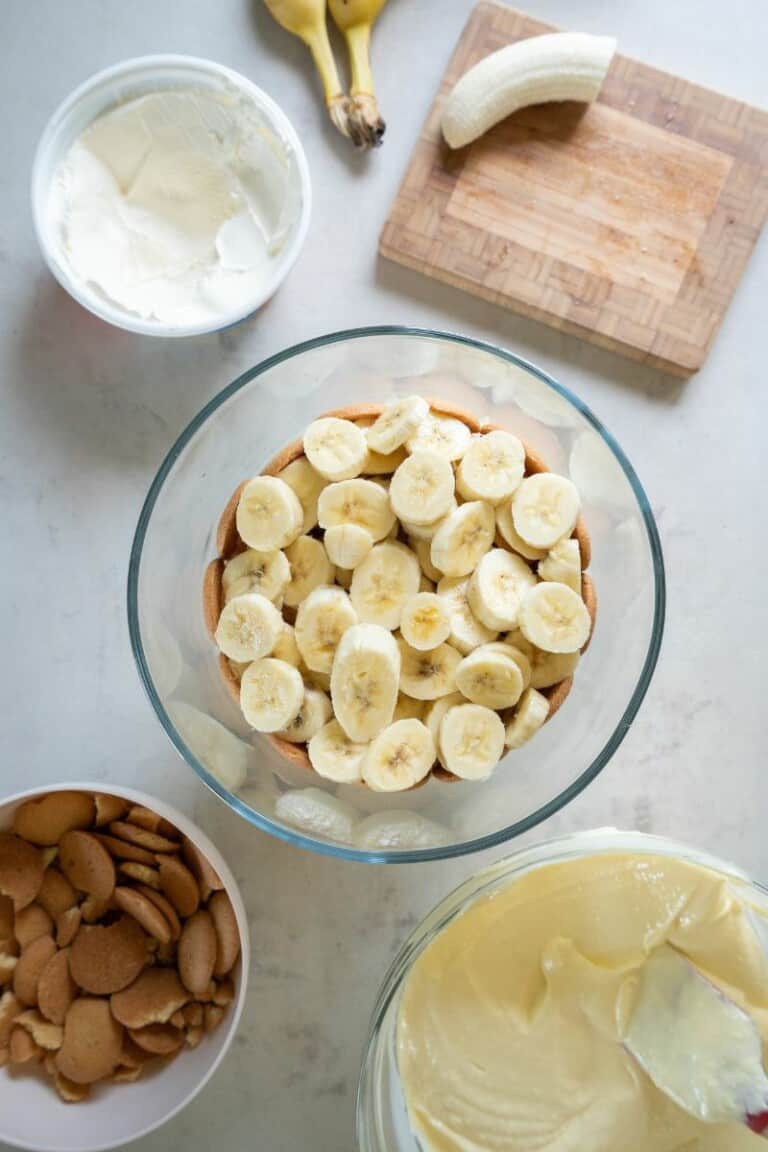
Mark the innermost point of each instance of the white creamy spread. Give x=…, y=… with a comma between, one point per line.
x=176, y=205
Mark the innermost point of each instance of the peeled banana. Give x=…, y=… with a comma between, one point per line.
x=558, y=66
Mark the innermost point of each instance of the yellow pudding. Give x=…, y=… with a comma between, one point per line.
x=511, y=1021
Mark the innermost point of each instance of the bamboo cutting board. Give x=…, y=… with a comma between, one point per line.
x=628, y=222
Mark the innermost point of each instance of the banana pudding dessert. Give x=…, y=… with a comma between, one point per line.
x=400, y=593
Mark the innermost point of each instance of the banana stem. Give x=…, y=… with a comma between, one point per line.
x=366, y=127
x=359, y=44
x=336, y=99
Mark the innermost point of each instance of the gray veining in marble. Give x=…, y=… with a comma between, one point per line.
x=88, y=413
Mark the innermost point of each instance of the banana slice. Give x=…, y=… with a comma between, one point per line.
x=321, y=680
x=364, y=681
x=511, y=536
x=380, y=463
x=563, y=564
x=422, y=550
x=434, y=713
x=422, y=489
x=399, y=757
x=491, y=468
x=425, y=585
x=408, y=709
x=337, y=449
x=347, y=544
x=425, y=622
x=517, y=654
x=286, y=648
x=396, y=423
x=528, y=717
x=547, y=668
x=444, y=435
x=554, y=618
x=344, y=577
x=471, y=741
x=248, y=627
x=334, y=756
x=315, y=711
x=427, y=531
x=381, y=585
x=428, y=675
x=490, y=678
x=463, y=538
x=269, y=514
x=271, y=694
x=467, y=633
x=307, y=484
x=310, y=568
x=545, y=508
x=321, y=621
x=497, y=587
x=361, y=502
x=264, y=572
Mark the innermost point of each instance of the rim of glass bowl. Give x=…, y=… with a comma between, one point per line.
x=341, y=851
x=556, y=850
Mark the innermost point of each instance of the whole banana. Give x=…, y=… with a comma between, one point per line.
x=306, y=19
x=355, y=19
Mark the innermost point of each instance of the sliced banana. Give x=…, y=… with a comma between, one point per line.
x=364, y=681
x=337, y=449
x=425, y=585
x=321, y=621
x=347, y=544
x=248, y=627
x=380, y=463
x=471, y=741
x=408, y=709
x=286, y=648
x=516, y=653
x=269, y=514
x=381, y=585
x=310, y=568
x=422, y=550
x=491, y=678
x=271, y=694
x=547, y=668
x=396, y=423
x=529, y=715
x=321, y=680
x=399, y=757
x=344, y=577
x=491, y=468
x=264, y=572
x=467, y=633
x=315, y=711
x=434, y=713
x=563, y=564
x=307, y=484
x=361, y=502
x=463, y=538
x=427, y=531
x=428, y=675
x=422, y=489
x=444, y=435
x=334, y=756
x=554, y=618
x=545, y=508
x=425, y=621
x=511, y=536
x=497, y=586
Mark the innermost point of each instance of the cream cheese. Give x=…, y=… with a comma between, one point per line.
x=175, y=206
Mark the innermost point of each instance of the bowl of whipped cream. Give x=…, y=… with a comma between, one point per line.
x=170, y=195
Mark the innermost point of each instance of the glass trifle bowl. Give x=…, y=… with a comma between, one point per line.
x=233, y=438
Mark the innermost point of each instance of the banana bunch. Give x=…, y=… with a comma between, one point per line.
x=355, y=115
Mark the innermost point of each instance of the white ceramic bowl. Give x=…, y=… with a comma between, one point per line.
x=127, y=80
x=32, y=1115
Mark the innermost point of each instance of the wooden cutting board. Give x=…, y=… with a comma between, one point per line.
x=628, y=222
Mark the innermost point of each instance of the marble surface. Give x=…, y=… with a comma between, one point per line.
x=88, y=413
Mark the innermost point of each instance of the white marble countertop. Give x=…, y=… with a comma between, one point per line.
x=88, y=413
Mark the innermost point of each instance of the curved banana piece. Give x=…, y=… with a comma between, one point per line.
x=558, y=66
x=355, y=19
x=306, y=19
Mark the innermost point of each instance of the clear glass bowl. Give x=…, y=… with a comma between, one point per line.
x=382, y=1118
x=232, y=438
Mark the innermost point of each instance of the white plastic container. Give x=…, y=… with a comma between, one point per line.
x=118, y=84
x=32, y=1115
